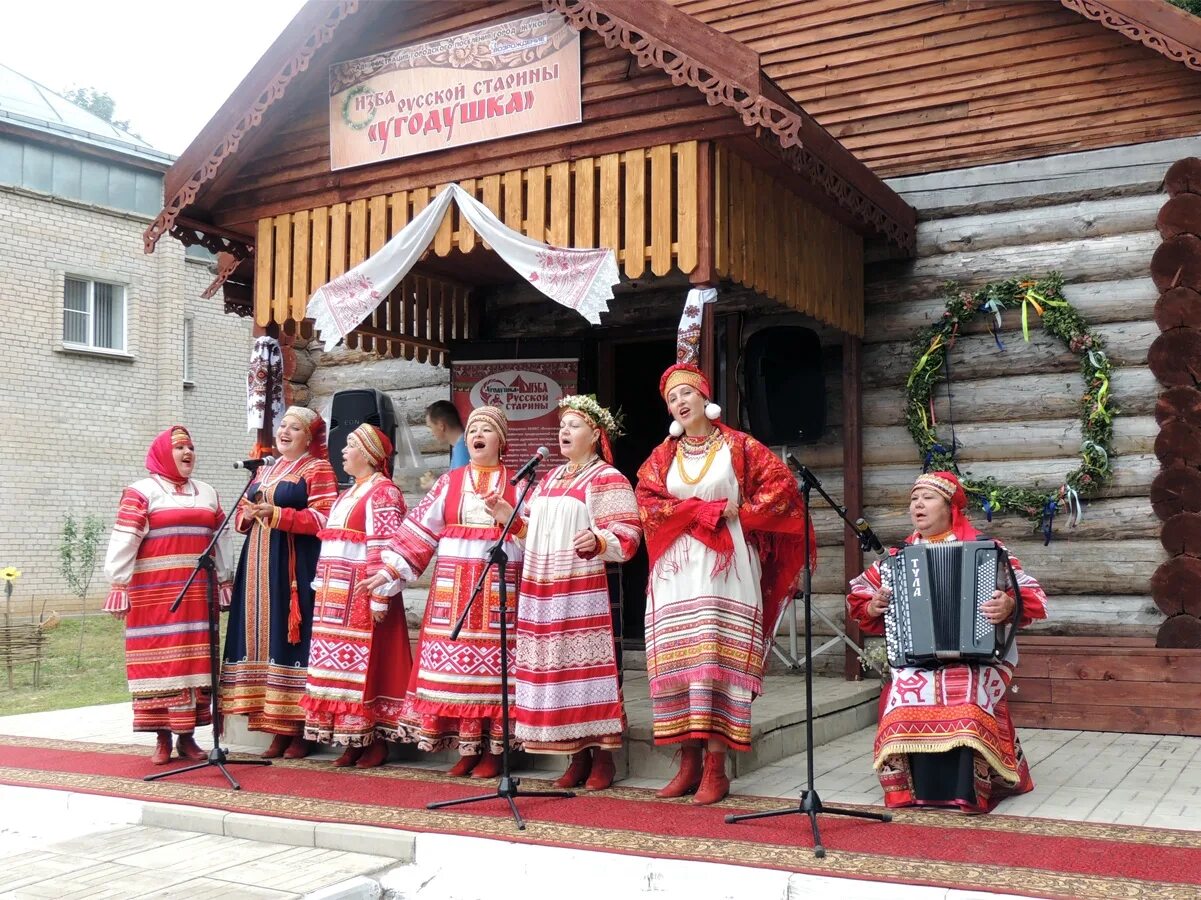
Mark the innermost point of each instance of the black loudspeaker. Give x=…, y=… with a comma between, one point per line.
x=351, y=409
x=785, y=385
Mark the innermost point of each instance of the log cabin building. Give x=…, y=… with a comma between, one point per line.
x=827, y=165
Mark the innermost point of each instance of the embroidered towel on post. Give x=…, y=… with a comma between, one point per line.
x=264, y=382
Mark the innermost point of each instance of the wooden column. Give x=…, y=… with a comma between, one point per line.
x=705, y=273
x=852, y=466
x=732, y=413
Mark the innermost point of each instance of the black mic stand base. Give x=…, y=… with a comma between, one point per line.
x=811, y=805
x=507, y=790
x=219, y=758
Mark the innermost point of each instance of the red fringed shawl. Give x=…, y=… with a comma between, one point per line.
x=770, y=511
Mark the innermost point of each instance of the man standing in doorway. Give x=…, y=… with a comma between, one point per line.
x=444, y=423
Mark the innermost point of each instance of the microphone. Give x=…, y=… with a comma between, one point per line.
x=867, y=537
x=539, y=456
x=806, y=476
x=254, y=464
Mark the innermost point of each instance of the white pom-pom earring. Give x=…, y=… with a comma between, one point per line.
x=712, y=412
x=675, y=429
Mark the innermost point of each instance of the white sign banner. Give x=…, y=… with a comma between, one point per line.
x=503, y=80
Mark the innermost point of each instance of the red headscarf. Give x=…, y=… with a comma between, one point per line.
x=947, y=486
x=160, y=458
x=684, y=373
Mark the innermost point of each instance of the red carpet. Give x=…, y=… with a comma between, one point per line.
x=1007, y=854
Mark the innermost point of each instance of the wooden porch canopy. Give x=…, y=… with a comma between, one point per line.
x=644, y=205
x=776, y=203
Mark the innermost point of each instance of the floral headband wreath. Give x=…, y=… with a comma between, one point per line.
x=609, y=425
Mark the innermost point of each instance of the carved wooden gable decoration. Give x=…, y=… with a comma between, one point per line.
x=654, y=77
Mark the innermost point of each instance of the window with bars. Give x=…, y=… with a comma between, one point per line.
x=189, y=373
x=93, y=314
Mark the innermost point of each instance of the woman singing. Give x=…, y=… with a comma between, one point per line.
x=359, y=662
x=580, y=517
x=271, y=617
x=945, y=737
x=454, y=696
x=164, y=523
x=725, y=532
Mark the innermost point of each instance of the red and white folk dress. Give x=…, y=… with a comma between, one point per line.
x=358, y=669
x=161, y=530
x=567, y=682
x=454, y=696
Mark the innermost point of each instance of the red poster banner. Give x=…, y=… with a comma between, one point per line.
x=528, y=390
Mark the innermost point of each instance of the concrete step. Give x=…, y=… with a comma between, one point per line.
x=777, y=731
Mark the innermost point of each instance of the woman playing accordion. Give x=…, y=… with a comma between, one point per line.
x=945, y=736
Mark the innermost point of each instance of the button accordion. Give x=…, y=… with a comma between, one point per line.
x=937, y=591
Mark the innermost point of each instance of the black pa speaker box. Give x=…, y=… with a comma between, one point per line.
x=785, y=385
x=351, y=409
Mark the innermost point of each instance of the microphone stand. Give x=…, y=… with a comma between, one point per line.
x=508, y=788
x=217, y=756
x=810, y=803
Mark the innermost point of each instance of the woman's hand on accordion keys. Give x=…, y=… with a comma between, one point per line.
x=997, y=608
x=879, y=602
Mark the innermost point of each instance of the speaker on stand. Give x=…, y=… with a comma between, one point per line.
x=785, y=385
x=351, y=409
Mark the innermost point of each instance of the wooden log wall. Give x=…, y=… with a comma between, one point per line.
x=1016, y=412
x=1175, y=359
x=770, y=240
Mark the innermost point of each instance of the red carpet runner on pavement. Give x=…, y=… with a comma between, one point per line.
x=1036, y=857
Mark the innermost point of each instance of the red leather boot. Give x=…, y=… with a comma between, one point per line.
x=298, y=748
x=463, y=767
x=714, y=783
x=603, y=770
x=488, y=767
x=279, y=743
x=375, y=755
x=349, y=757
x=162, y=749
x=187, y=747
x=689, y=776
x=577, y=771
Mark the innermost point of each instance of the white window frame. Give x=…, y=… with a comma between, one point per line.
x=188, y=339
x=91, y=345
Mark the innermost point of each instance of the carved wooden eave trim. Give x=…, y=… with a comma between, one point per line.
x=1155, y=24
x=799, y=136
x=320, y=35
x=227, y=264
x=213, y=239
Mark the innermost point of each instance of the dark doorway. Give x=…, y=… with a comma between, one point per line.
x=631, y=384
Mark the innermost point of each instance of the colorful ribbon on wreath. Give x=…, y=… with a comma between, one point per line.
x=935, y=344
x=1038, y=301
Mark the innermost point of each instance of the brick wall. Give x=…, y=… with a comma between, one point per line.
x=76, y=426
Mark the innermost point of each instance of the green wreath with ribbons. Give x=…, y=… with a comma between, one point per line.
x=1039, y=300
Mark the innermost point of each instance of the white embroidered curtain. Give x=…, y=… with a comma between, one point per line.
x=578, y=279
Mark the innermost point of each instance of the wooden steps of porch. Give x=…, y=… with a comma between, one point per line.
x=1107, y=684
x=778, y=724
